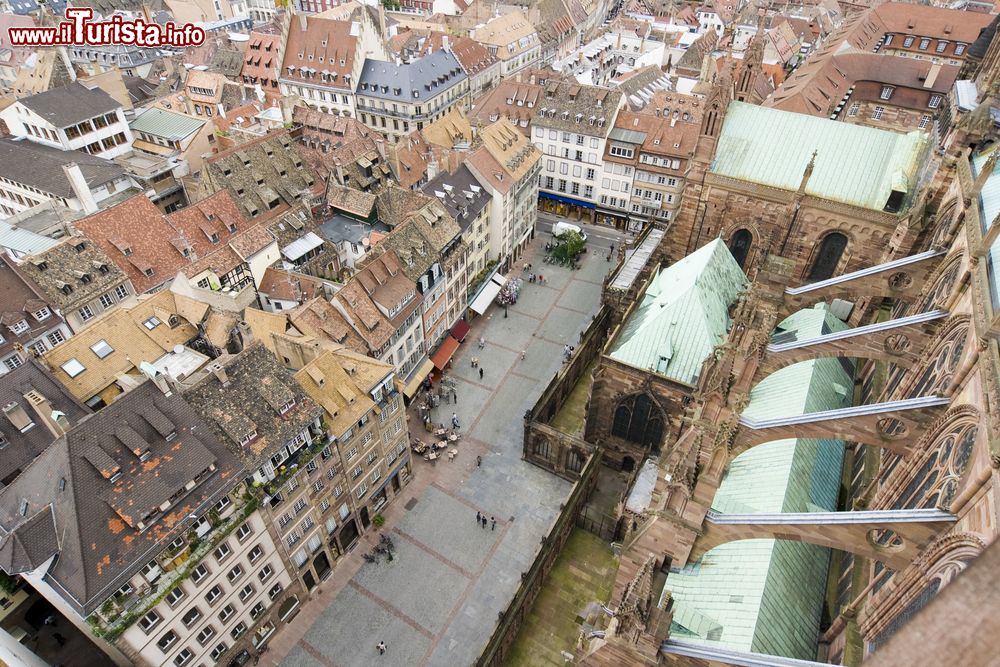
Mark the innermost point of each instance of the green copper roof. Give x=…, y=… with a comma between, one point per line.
x=683, y=315
x=766, y=595
x=163, y=123
x=854, y=164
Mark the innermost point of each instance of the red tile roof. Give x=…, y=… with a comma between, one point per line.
x=137, y=236
x=324, y=45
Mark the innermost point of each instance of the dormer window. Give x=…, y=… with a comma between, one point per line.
x=80, y=247
x=148, y=273
x=42, y=314
x=19, y=327
x=248, y=438
x=287, y=406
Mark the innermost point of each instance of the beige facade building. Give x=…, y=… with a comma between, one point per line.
x=369, y=436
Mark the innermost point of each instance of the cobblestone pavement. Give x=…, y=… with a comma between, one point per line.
x=437, y=602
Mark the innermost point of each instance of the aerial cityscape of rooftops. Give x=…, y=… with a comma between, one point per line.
x=454, y=333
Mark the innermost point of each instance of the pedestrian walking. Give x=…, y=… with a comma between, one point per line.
x=479, y=462
x=479, y=516
x=493, y=520
x=523, y=354
x=482, y=342
x=484, y=522
x=612, y=247
x=454, y=420
x=454, y=396
x=480, y=373
x=50, y=620
x=381, y=648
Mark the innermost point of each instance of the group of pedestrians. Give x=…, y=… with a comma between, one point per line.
x=482, y=521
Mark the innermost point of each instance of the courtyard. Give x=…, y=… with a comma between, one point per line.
x=437, y=602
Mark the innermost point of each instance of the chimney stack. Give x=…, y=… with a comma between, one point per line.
x=54, y=420
x=79, y=186
x=219, y=371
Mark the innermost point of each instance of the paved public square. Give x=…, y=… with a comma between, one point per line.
x=437, y=602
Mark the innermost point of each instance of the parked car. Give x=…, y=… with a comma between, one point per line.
x=561, y=228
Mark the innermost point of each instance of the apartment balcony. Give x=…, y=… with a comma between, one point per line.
x=117, y=614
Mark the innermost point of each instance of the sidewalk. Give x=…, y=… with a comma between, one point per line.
x=437, y=602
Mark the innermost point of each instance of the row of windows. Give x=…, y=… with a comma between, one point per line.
x=925, y=43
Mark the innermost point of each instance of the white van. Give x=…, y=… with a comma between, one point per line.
x=561, y=228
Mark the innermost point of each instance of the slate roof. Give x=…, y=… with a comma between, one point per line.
x=19, y=300
x=41, y=167
x=263, y=158
x=65, y=265
x=95, y=512
x=255, y=389
x=413, y=83
x=683, y=315
x=570, y=106
x=69, y=105
x=23, y=446
x=348, y=199
x=461, y=193
x=879, y=158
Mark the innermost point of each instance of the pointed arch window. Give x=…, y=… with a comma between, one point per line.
x=739, y=246
x=828, y=257
x=637, y=419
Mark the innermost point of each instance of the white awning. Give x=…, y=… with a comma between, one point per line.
x=499, y=279
x=490, y=291
x=301, y=246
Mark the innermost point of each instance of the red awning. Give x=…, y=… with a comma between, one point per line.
x=444, y=353
x=460, y=330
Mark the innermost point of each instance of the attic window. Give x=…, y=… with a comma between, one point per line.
x=101, y=349
x=148, y=273
x=248, y=438
x=287, y=406
x=80, y=247
x=115, y=477
x=103, y=268
x=152, y=323
x=73, y=367
x=67, y=289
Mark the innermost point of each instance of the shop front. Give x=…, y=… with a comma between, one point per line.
x=566, y=207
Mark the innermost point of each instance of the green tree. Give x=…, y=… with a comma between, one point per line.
x=569, y=246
